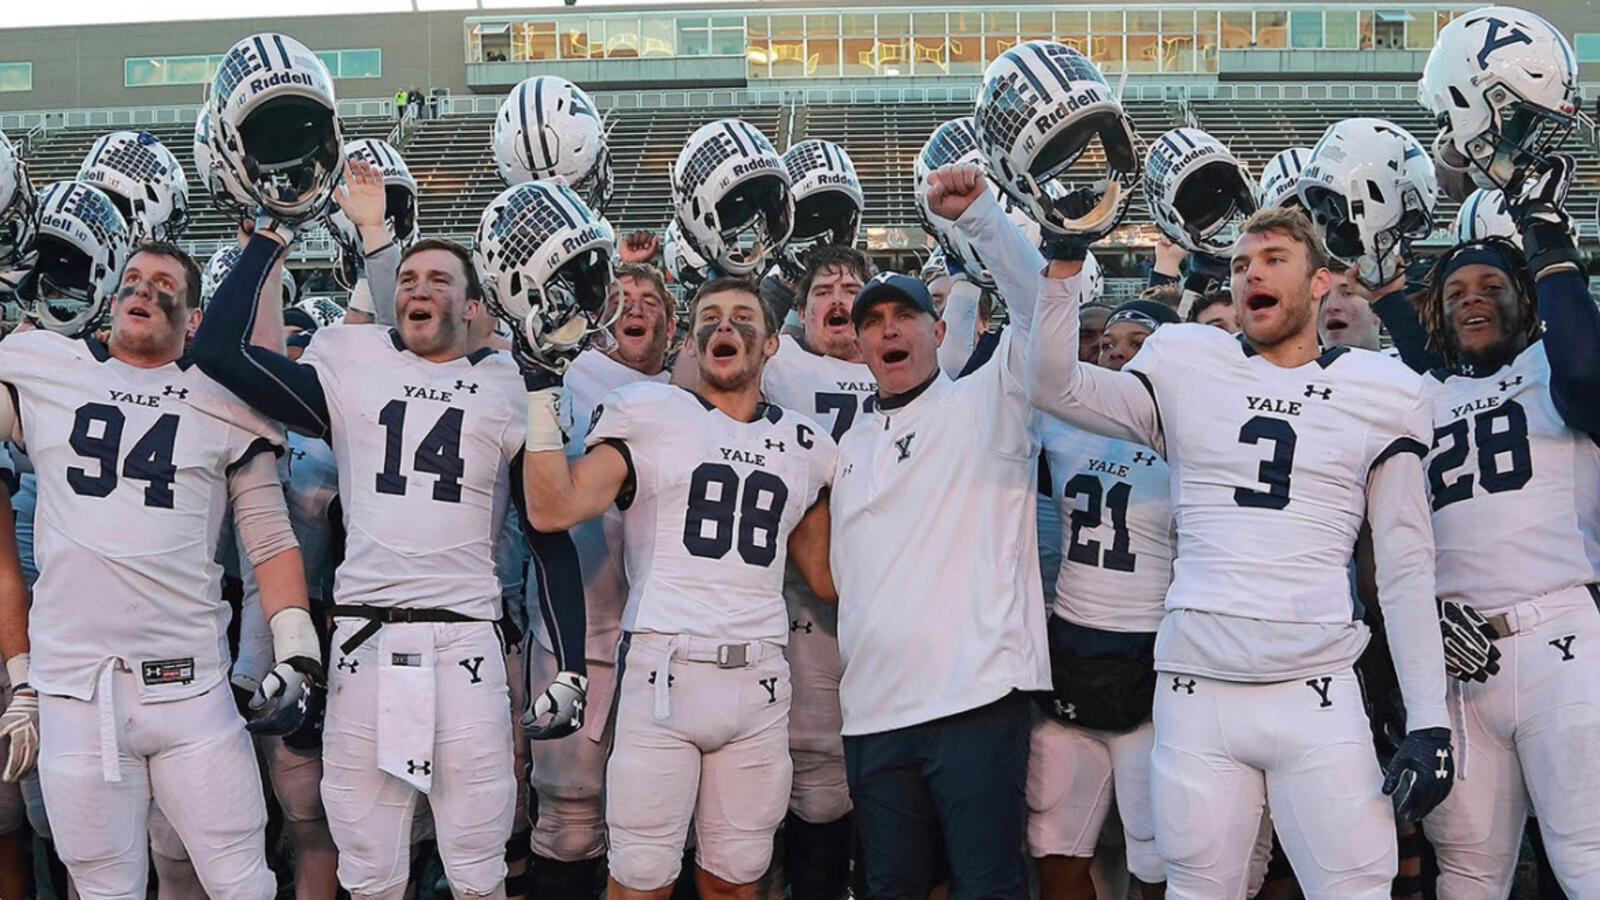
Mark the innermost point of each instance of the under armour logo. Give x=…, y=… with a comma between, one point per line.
x=670, y=679
x=1178, y=683
x=170, y=391
x=472, y=665
x=797, y=625
x=1314, y=391
x=347, y=664
x=1321, y=686
x=1139, y=456
x=1443, y=771
x=295, y=453
x=774, y=445
x=469, y=388
x=1509, y=383
x=419, y=768
x=771, y=684
x=1564, y=644
x=1067, y=711
x=904, y=446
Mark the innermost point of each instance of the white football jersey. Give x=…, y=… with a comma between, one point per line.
x=712, y=503
x=592, y=375
x=311, y=490
x=132, y=467
x=832, y=391
x=1115, y=499
x=1515, y=491
x=836, y=393
x=422, y=450
x=1269, y=468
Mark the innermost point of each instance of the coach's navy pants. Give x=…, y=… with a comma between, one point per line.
x=951, y=789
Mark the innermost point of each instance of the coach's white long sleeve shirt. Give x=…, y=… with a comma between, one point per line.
x=934, y=548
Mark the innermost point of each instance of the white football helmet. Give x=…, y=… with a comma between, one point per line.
x=1370, y=188
x=733, y=197
x=547, y=128
x=219, y=182
x=222, y=262
x=1503, y=85
x=18, y=204
x=546, y=264
x=1280, y=179
x=1094, y=280
x=399, y=213
x=322, y=310
x=828, y=201
x=144, y=179
x=955, y=143
x=1197, y=191
x=82, y=244
x=685, y=266
x=275, y=125
x=1042, y=106
x=1483, y=214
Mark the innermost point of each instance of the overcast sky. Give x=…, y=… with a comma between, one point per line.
x=23, y=14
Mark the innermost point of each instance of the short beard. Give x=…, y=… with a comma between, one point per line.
x=1294, y=322
x=654, y=352
x=446, y=335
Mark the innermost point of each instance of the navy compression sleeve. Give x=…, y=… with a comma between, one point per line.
x=1398, y=315
x=555, y=574
x=1572, y=342
x=277, y=386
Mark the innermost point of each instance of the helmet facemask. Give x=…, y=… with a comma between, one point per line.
x=752, y=219
x=1065, y=194
x=400, y=212
x=291, y=150
x=1211, y=202
x=823, y=219
x=1376, y=255
x=61, y=289
x=1519, y=136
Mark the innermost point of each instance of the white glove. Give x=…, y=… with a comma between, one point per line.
x=20, y=722
x=558, y=711
x=544, y=419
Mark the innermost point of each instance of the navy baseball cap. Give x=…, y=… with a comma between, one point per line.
x=886, y=286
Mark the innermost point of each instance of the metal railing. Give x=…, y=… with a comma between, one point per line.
x=114, y=117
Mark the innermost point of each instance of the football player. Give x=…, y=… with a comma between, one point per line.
x=16, y=858
x=1513, y=475
x=1116, y=554
x=1280, y=448
x=129, y=433
x=717, y=489
x=426, y=436
x=569, y=835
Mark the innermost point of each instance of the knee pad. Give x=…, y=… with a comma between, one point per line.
x=554, y=879
x=817, y=857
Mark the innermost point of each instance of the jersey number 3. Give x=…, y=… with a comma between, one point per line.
x=1274, y=471
x=720, y=506
x=97, y=435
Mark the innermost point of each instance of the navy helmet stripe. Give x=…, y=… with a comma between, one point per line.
x=261, y=53
x=539, y=123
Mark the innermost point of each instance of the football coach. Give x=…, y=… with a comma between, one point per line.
x=934, y=553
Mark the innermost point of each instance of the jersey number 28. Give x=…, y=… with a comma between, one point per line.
x=724, y=511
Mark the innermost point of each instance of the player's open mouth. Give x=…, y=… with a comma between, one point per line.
x=634, y=330
x=724, y=350
x=419, y=315
x=1260, y=301
x=139, y=312
x=1337, y=325
x=837, y=317
x=895, y=356
x=1474, y=321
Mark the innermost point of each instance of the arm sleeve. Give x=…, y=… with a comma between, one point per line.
x=554, y=571
x=382, y=268
x=1402, y=549
x=1016, y=265
x=1572, y=343
x=960, y=325
x=275, y=385
x=260, y=515
x=1399, y=316
x=1116, y=404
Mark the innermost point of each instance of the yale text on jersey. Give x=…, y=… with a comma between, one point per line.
x=1120, y=470
x=414, y=392
x=1273, y=404
x=131, y=397
x=751, y=457
x=1481, y=403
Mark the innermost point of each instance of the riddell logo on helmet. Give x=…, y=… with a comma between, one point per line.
x=63, y=225
x=258, y=85
x=586, y=236
x=754, y=165
x=830, y=178
x=1064, y=108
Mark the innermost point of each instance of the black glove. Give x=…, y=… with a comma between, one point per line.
x=1065, y=248
x=1206, y=273
x=1539, y=210
x=1469, y=650
x=1420, y=775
